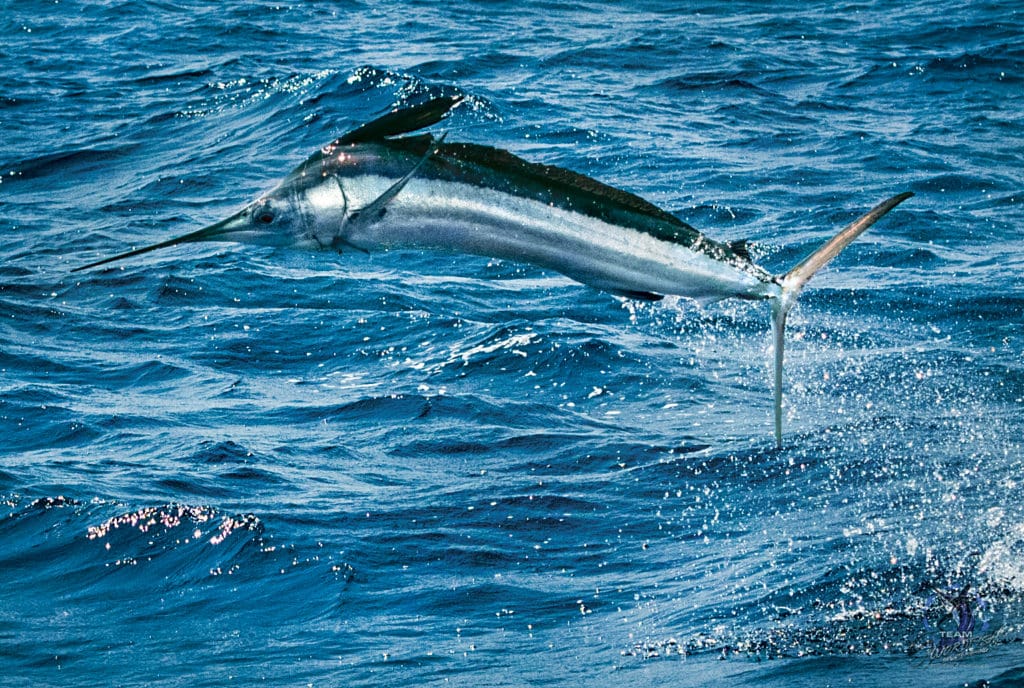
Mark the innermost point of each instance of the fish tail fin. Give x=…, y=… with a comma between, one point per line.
x=793, y=282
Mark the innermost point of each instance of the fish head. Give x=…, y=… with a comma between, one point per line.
x=303, y=211
x=323, y=201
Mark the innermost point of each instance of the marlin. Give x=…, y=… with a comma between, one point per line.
x=381, y=186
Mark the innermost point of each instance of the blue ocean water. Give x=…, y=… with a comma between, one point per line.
x=224, y=464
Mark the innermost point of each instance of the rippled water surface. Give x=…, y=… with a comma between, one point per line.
x=231, y=464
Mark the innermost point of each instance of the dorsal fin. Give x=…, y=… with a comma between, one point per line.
x=401, y=121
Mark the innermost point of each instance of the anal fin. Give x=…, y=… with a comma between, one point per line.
x=637, y=295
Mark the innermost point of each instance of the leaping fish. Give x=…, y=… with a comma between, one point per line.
x=382, y=187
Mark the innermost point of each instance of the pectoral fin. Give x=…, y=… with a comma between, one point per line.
x=376, y=209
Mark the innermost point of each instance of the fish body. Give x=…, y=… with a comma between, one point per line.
x=377, y=188
x=479, y=200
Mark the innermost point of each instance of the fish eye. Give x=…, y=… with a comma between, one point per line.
x=264, y=216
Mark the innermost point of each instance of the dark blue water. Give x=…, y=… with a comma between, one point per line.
x=224, y=464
